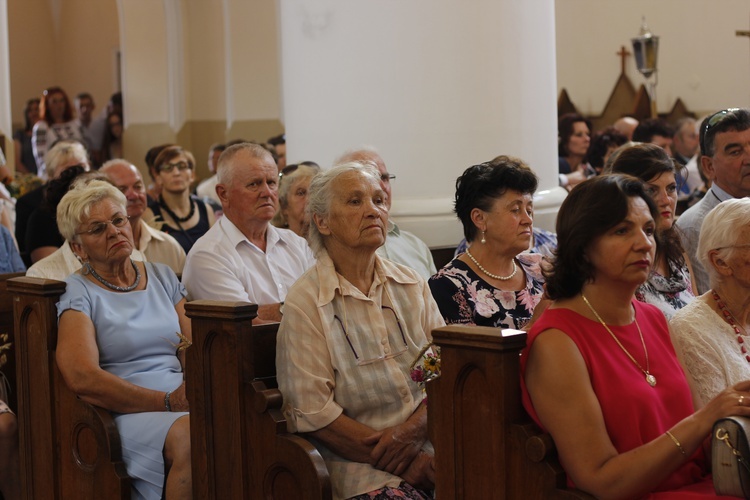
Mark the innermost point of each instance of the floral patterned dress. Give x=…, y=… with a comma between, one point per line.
x=465, y=298
x=668, y=294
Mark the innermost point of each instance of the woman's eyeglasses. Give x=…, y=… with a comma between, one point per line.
x=400, y=351
x=179, y=165
x=98, y=228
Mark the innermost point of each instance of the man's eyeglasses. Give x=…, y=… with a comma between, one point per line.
x=98, y=228
x=711, y=122
x=391, y=345
x=179, y=165
x=387, y=177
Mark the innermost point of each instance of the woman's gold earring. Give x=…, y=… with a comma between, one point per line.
x=483, y=240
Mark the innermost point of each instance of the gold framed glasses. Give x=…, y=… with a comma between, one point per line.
x=98, y=228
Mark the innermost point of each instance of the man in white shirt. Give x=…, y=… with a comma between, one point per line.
x=400, y=246
x=243, y=257
x=155, y=245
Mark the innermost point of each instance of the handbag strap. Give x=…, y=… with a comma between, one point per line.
x=723, y=435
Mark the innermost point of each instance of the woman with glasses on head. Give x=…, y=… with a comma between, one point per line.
x=185, y=217
x=121, y=338
x=294, y=184
x=495, y=282
x=351, y=328
x=711, y=333
x=669, y=286
x=57, y=123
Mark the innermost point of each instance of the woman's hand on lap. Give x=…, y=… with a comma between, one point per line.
x=178, y=399
x=395, y=447
x=421, y=472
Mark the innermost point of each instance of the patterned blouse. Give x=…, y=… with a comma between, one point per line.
x=465, y=298
x=668, y=294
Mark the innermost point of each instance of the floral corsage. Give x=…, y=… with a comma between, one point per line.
x=427, y=365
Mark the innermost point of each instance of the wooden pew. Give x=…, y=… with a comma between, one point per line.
x=486, y=446
x=240, y=446
x=7, y=326
x=69, y=449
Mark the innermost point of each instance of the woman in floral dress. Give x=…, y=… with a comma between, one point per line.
x=493, y=283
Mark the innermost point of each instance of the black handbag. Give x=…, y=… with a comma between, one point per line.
x=730, y=456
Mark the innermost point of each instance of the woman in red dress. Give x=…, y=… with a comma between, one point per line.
x=599, y=370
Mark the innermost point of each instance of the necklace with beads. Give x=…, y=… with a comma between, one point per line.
x=113, y=286
x=650, y=379
x=495, y=276
x=732, y=321
x=164, y=205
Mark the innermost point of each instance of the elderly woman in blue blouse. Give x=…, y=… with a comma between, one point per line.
x=122, y=324
x=495, y=282
x=351, y=328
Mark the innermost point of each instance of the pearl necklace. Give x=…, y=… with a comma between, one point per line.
x=495, y=276
x=649, y=377
x=732, y=321
x=115, y=287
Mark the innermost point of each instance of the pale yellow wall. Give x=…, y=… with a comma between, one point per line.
x=145, y=80
x=700, y=58
x=206, y=63
x=254, y=64
x=73, y=47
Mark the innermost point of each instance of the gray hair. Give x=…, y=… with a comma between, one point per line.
x=65, y=152
x=362, y=154
x=76, y=205
x=719, y=232
x=321, y=194
x=286, y=183
x=226, y=168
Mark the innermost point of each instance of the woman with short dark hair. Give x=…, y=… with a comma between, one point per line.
x=494, y=283
x=599, y=372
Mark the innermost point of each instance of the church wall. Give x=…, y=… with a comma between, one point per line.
x=75, y=49
x=700, y=59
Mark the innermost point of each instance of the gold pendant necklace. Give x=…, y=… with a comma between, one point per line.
x=649, y=377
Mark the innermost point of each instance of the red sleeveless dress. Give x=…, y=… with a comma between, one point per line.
x=634, y=412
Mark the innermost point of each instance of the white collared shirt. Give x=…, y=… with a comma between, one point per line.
x=224, y=265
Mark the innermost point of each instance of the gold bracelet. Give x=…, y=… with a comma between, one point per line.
x=676, y=443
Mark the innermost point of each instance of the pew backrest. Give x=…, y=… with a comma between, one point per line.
x=239, y=441
x=7, y=326
x=486, y=446
x=68, y=448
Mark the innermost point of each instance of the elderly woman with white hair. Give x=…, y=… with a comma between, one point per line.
x=122, y=330
x=710, y=334
x=352, y=326
x=294, y=185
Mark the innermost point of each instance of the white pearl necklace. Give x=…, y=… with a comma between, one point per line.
x=494, y=276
